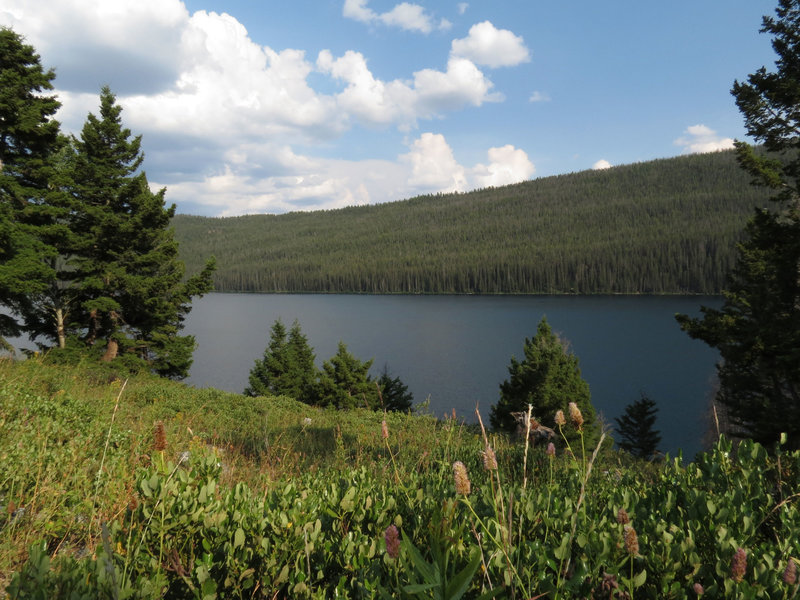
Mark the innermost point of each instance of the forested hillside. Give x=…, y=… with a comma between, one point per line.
x=665, y=226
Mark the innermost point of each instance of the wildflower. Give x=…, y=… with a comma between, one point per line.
x=622, y=517
x=159, y=437
x=698, y=589
x=306, y=421
x=489, y=459
x=631, y=540
x=739, y=565
x=384, y=430
x=575, y=415
x=560, y=420
x=184, y=457
x=461, y=478
x=790, y=573
x=551, y=450
x=392, y=537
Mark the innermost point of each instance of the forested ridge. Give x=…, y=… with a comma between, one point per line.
x=663, y=226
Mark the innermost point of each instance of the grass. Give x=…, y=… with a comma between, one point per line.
x=144, y=488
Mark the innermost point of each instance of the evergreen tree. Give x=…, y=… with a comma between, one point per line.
x=128, y=277
x=345, y=382
x=301, y=379
x=29, y=139
x=635, y=427
x=287, y=367
x=757, y=330
x=264, y=378
x=394, y=393
x=548, y=378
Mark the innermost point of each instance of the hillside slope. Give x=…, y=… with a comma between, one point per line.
x=664, y=226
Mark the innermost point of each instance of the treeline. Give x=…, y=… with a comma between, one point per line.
x=664, y=226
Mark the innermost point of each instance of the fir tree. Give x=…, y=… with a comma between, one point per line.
x=345, y=382
x=757, y=330
x=635, y=428
x=129, y=281
x=548, y=378
x=29, y=139
x=287, y=367
x=394, y=393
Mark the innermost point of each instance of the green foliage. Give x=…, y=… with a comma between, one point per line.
x=666, y=226
x=548, y=378
x=345, y=382
x=635, y=428
x=287, y=367
x=127, y=277
x=29, y=140
x=757, y=330
x=310, y=521
x=394, y=394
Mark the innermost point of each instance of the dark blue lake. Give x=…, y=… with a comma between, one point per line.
x=455, y=350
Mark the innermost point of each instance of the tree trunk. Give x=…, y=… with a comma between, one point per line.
x=62, y=336
x=111, y=351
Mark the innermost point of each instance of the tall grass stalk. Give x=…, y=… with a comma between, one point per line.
x=566, y=562
x=103, y=460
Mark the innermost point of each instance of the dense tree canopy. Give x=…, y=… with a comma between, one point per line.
x=665, y=226
x=757, y=330
x=29, y=141
x=548, y=379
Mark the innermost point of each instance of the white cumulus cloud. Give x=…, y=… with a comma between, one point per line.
x=487, y=45
x=507, y=165
x=601, y=164
x=223, y=117
x=407, y=16
x=700, y=138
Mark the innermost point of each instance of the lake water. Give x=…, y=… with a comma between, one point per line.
x=456, y=350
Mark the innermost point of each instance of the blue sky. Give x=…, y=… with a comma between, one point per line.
x=254, y=106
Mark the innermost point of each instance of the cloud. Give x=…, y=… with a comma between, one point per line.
x=462, y=7
x=433, y=167
x=406, y=16
x=224, y=118
x=539, y=97
x=601, y=164
x=429, y=94
x=487, y=45
x=700, y=138
x=507, y=165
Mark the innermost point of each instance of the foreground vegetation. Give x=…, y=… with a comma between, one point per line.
x=146, y=488
x=665, y=226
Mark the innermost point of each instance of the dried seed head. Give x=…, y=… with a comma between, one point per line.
x=631, y=540
x=790, y=573
x=575, y=415
x=159, y=437
x=739, y=565
x=489, y=459
x=622, y=517
x=560, y=420
x=551, y=450
x=461, y=478
x=698, y=589
x=392, y=537
x=384, y=430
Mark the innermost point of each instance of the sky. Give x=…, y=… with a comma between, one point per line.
x=257, y=106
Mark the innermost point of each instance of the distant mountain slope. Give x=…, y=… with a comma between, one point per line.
x=665, y=226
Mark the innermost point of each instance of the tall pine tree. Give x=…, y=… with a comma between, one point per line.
x=757, y=330
x=29, y=140
x=129, y=281
x=345, y=382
